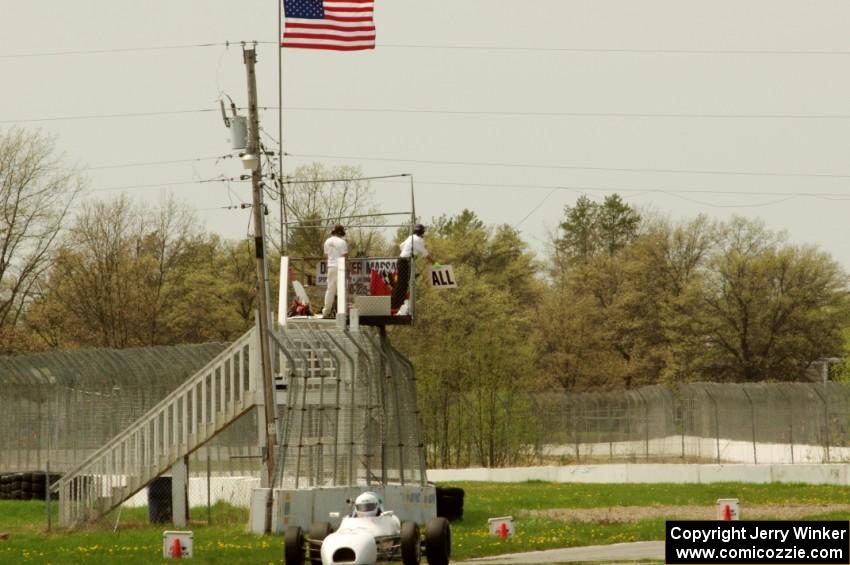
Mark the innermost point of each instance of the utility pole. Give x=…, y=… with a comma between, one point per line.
x=249, y=56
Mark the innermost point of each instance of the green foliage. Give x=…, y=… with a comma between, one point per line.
x=470, y=346
x=590, y=228
x=769, y=309
x=36, y=193
x=694, y=301
x=127, y=275
x=840, y=371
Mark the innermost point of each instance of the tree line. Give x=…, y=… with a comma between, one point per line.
x=622, y=298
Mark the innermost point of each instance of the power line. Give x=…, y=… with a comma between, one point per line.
x=662, y=115
x=647, y=115
x=622, y=50
x=736, y=206
x=241, y=206
x=824, y=195
x=515, y=48
x=536, y=208
x=168, y=184
x=308, y=181
x=151, y=163
x=134, y=186
x=124, y=49
x=835, y=196
x=126, y=115
x=107, y=116
x=386, y=179
x=570, y=167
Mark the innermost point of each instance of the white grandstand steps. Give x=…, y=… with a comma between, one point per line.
x=191, y=415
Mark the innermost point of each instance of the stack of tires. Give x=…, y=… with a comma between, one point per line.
x=450, y=503
x=24, y=486
x=13, y=484
x=6, y=486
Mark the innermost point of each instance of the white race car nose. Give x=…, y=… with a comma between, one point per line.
x=349, y=548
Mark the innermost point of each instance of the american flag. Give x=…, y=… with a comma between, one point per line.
x=341, y=25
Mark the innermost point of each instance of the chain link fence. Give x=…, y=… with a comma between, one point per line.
x=702, y=422
x=58, y=408
x=351, y=416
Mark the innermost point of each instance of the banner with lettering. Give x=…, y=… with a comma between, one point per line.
x=360, y=271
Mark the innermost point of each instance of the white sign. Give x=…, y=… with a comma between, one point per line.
x=176, y=545
x=503, y=526
x=444, y=277
x=728, y=509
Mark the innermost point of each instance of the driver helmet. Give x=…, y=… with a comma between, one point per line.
x=367, y=504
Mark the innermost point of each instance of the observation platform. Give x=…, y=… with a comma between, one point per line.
x=402, y=320
x=365, y=294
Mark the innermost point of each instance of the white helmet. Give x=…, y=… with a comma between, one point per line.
x=367, y=504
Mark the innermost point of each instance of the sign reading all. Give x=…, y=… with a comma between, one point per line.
x=444, y=277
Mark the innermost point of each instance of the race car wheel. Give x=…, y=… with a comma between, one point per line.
x=411, y=548
x=293, y=546
x=438, y=541
x=318, y=532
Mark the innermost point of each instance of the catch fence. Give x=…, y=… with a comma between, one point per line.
x=706, y=422
x=57, y=408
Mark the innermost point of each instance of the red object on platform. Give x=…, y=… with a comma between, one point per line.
x=377, y=285
x=503, y=530
x=176, y=550
x=727, y=512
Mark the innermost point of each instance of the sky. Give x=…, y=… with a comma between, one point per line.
x=510, y=109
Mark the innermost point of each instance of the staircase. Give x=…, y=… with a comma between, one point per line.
x=191, y=415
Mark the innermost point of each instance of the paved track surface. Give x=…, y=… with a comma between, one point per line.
x=619, y=552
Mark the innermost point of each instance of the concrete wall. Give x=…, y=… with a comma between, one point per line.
x=704, y=448
x=237, y=490
x=233, y=490
x=833, y=474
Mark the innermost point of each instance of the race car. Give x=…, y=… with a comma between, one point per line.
x=370, y=534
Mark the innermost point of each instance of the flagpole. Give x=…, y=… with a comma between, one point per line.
x=284, y=223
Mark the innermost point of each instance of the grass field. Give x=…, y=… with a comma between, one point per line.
x=226, y=541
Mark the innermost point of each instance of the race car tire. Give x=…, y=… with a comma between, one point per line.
x=438, y=541
x=411, y=546
x=293, y=546
x=318, y=532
